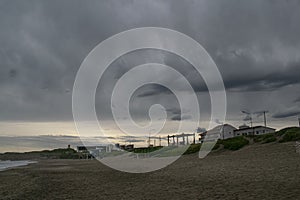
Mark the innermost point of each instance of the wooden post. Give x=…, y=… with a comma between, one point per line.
x=159, y=141
x=168, y=140
x=194, y=138
x=187, y=139
x=173, y=139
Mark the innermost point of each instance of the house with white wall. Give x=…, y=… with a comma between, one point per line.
x=227, y=131
x=219, y=132
x=255, y=130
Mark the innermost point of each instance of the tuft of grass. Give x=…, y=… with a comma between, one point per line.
x=217, y=146
x=267, y=138
x=193, y=148
x=235, y=143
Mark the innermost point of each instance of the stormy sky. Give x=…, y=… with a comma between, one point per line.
x=255, y=45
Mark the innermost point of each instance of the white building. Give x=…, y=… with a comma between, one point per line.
x=227, y=131
x=255, y=130
x=219, y=132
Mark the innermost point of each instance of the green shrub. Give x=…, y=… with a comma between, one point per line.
x=287, y=130
x=291, y=134
x=235, y=143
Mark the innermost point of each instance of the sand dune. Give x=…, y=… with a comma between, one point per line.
x=269, y=171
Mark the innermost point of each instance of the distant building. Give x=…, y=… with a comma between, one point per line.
x=228, y=131
x=128, y=147
x=255, y=130
x=100, y=148
x=210, y=135
x=81, y=148
x=219, y=132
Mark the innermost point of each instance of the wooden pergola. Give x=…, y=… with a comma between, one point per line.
x=184, y=139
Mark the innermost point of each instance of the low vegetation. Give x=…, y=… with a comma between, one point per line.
x=286, y=130
x=290, y=134
x=193, y=148
x=146, y=149
x=67, y=153
x=234, y=143
x=267, y=138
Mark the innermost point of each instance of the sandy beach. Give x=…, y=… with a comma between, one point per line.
x=269, y=171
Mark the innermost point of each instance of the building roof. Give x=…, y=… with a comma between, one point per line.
x=229, y=126
x=219, y=127
x=254, y=127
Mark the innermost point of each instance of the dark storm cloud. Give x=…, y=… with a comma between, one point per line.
x=287, y=113
x=175, y=111
x=255, y=45
x=297, y=100
x=42, y=142
x=108, y=137
x=286, y=75
x=180, y=118
x=155, y=90
x=131, y=139
x=176, y=114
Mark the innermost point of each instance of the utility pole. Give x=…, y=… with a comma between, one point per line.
x=265, y=118
x=299, y=121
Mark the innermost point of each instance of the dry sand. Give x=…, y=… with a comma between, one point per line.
x=270, y=171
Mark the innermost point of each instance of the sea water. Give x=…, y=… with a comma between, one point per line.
x=9, y=164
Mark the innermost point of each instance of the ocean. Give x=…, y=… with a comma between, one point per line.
x=9, y=164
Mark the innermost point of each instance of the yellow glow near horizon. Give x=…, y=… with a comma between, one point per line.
x=24, y=128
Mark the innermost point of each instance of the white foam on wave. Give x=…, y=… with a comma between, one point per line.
x=10, y=164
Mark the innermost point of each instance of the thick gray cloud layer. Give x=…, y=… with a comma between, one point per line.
x=255, y=44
